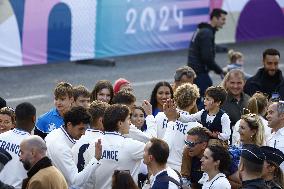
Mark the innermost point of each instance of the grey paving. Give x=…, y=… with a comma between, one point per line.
x=35, y=83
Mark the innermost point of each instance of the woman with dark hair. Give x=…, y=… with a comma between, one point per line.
x=138, y=117
x=161, y=92
x=103, y=91
x=121, y=179
x=215, y=162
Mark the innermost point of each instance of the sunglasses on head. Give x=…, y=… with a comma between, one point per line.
x=116, y=172
x=7, y=109
x=190, y=144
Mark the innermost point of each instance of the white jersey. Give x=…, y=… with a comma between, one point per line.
x=84, y=149
x=118, y=153
x=175, y=135
x=162, y=121
x=225, y=122
x=59, y=145
x=13, y=172
x=219, y=181
x=236, y=134
x=276, y=140
x=145, y=136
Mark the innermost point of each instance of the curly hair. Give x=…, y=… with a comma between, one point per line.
x=186, y=94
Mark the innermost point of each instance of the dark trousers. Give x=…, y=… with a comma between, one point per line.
x=203, y=81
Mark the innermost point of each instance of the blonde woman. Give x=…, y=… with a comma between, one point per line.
x=257, y=104
x=251, y=131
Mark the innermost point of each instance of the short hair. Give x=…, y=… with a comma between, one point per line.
x=139, y=108
x=97, y=109
x=159, y=149
x=231, y=73
x=102, y=84
x=217, y=13
x=270, y=51
x=63, y=89
x=153, y=99
x=10, y=112
x=185, y=95
x=252, y=167
x=280, y=107
x=257, y=103
x=220, y=153
x=218, y=93
x=25, y=112
x=76, y=116
x=3, y=103
x=113, y=114
x=184, y=70
x=200, y=132
x=37, y=142
x=81, y=90
x=254, y=122
x=124, y=97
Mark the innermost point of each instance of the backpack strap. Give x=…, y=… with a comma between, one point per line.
x=171, y=179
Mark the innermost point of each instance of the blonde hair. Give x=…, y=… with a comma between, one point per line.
x=229, y=75
x=234, y=56
x=254, y=122
x=185, y=95
x=257, y=103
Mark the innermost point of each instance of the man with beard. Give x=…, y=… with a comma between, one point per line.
x=41, y=173
x=268, y=78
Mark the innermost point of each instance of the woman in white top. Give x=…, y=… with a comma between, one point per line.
x=215, y=161
x=257, y=104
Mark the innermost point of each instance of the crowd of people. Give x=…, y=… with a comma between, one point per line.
x=103, y=139
x=189, y=134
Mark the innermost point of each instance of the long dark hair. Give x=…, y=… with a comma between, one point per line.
x=153, y=99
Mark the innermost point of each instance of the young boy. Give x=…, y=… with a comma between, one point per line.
x=212, y=117
x=81, y=96
x=63, y=99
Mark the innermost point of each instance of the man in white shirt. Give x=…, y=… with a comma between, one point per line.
x=185, y=97
x=84, y=149
x=118, y=152
x=275, y=117
x=14, y=172
x=156, y=154
x=59, y=144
